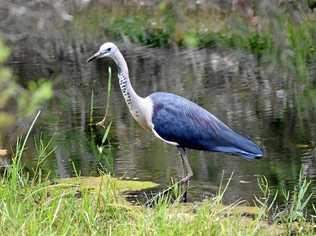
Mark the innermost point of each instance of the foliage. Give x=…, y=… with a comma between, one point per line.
x=289, y=208
x=22, y=101
x=295, y=205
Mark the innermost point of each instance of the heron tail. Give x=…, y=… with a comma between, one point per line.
x=236, y=144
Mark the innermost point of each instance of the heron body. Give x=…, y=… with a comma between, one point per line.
x=176, y=120
x=185, y=123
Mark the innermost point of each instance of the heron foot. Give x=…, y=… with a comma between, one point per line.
x=183, y=182
x=171, y=192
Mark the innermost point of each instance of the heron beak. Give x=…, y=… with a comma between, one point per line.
x=93, y=57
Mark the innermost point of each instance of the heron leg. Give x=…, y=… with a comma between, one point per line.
x=184, y=180
x=188, y=173
x=186, y=165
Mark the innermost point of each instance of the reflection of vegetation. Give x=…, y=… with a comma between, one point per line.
x=16, y=100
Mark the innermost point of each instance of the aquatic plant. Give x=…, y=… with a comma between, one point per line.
x=102, y=149
x=108, y=96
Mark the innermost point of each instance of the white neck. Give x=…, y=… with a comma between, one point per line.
x=133, y=101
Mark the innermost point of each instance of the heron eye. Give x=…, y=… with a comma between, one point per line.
x=109, y=49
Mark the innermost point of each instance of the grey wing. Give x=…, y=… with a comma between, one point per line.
x=179, y=120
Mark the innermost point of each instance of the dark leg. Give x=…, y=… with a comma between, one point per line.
x=187, y=172
x=186, y=165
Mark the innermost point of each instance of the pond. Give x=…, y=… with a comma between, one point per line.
x=231, y=84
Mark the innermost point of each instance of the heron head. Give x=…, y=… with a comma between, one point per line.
x=106, y=50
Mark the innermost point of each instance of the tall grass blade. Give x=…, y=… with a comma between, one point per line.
x=102, y=122
x=19, y=154
x=106, y=133
x=91, y=106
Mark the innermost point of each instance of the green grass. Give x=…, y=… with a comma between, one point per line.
x=69, y=208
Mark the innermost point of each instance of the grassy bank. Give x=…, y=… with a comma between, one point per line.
x=86, y=206
x=279, y=31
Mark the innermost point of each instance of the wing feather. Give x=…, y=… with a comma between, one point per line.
x=177, y=119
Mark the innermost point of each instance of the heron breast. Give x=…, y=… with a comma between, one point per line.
x=143, y=113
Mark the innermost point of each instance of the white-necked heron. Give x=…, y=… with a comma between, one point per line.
x=178, y=121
